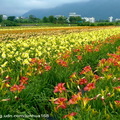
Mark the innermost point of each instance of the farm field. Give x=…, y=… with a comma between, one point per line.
x=70, y=73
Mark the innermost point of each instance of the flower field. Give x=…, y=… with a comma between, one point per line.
x=70, y=73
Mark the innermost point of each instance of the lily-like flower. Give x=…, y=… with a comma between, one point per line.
x=117, y=88
x=75, y=98
x=59, y=88
x=70, y=116
x=117, y=103
x=89, y=86
x=61, y=103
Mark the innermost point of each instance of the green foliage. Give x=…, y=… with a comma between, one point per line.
x=9, y=23
x=61, y=20
x=52, y=19
x=73, y=19
x=97, y=24
x=35, y=98
x=11, y=18
x=1, y=18
x=45, y=20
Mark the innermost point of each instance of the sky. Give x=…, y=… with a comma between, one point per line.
x=19, y=7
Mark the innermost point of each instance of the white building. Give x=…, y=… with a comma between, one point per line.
x=117, y=19
x=111, y=19
x=87, y=19
x=57, y=16
x=73, y=14
x=17, y=18
x=4, y=17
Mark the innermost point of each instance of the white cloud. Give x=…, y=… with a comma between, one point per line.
x=19, y=7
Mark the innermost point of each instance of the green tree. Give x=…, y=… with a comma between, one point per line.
x=9, y=23
x=45, y=19
x=51, y=19
x=11, y=18
x=75, y=19
x=32, y=18
x=61, y=20
x=1, y=18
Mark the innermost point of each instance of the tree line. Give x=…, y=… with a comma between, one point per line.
x=13, y=21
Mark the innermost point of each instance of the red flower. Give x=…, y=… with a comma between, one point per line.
x=82, y=81
x=65, y=56
x=96, y=77
x=61, y=103
x=89, y=87
x=40, y=61
x=59, y=88
x=21, y=87
x=17, y=88
x=62, y=63
x=79, y=57
x=117, y=88
x=105, y=69
x=102, y=61
x=33, y=60
x=75, y=99
x=89, y=48
x=14, y=88
x=70, y=116
x=96, y=49
x=117, y=103
x=23, y=80
x=73, y=75
x=47, y=68
x=86, y=69
x=76, y=50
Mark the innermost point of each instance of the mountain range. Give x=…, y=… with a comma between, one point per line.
x=100, y=9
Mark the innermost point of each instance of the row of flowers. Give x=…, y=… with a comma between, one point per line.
x=39, y=55
x=87, y=81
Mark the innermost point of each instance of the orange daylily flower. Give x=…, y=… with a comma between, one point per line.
x=82, y=81
x=75, y=98
x=59, y=88
x=47, y=68
x=61, y=103
x=14, y=88
x=21, y=87
x=17, y=88
x=73, y=75
x=62, y=63
x=117, y=88
x=85, y=101
x=86, y=69
x=117, y=103
x=70, y=116
x=23, y=80
x=79, y=57
x=33, y=60
x=89, y=86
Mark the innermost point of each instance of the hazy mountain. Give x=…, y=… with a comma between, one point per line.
x=100, y=9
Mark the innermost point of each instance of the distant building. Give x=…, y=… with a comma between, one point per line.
x=73, y=14
x=17, y=18
x=111, y=19
x=57, y=16
x=87, y=19
x=117, y=19
x=4, y=17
